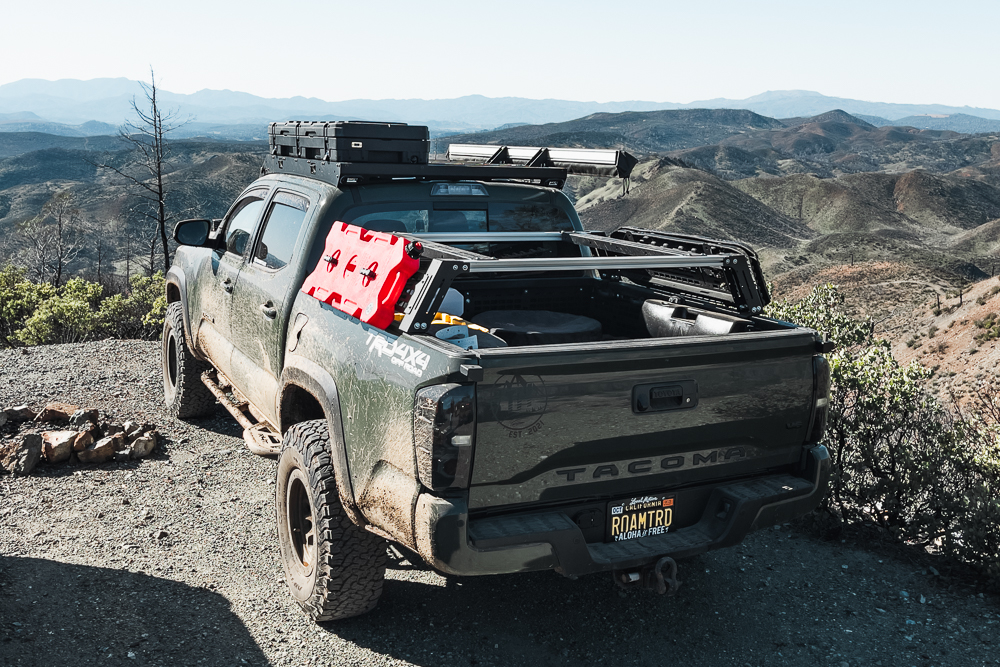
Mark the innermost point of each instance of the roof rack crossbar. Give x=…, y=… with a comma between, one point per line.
x=342, y=174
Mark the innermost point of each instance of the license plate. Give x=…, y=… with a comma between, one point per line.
x=641, y=516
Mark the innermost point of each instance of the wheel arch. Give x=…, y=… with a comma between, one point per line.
x=310, y=392
x=176, y=288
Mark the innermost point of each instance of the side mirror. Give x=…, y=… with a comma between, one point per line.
x=193, y=232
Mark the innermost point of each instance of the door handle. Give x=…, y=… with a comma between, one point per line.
x=227, y=285
x=270, y=312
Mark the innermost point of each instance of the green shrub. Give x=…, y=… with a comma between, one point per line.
x=19, y=299
x=39, y=314
x=138, y=315
x=901, y=460
x=67, y=317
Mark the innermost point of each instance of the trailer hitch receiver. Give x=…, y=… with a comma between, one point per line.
x=651, y=577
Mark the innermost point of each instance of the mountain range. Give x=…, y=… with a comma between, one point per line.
x=86, y=108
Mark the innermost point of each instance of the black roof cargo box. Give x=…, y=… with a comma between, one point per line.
x=350, y=141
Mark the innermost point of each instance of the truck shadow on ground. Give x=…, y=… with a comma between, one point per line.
x=57, y=613
x=542, y=618
x=778, y=599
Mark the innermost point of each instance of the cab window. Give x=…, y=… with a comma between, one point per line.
x=281, y=229
x=242, y=221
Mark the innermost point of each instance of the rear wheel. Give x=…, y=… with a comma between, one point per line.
x=334, y=569
x=184, y=392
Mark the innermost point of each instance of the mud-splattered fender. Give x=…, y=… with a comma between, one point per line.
x=175, y=277
x=313, y=378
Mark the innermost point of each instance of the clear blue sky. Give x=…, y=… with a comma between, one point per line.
x=665, y=51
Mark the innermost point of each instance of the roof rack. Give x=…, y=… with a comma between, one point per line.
x=342, y=174
x=597, y=162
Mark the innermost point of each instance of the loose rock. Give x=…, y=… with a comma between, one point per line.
x=112, y=429
x=20, y=413
x=132, y=430
x=57, y=446
x=102, y=450
x=144, y=445
x=84, y=417
x=21, y=456
x=56, y=412
x=85, y=438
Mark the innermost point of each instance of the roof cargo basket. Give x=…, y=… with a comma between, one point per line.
x=345, y=153
x=597, y=162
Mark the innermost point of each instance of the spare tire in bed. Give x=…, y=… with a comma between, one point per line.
x=539, y=327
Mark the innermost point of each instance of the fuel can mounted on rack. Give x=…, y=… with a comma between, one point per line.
x=362, y=272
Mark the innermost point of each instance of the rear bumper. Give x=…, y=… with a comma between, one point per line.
x=520, y=543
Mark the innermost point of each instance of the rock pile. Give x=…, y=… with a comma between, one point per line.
x=78, y=435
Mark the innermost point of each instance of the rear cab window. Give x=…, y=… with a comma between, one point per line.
x=498, y=211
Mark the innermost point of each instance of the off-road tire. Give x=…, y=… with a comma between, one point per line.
x=333, y=568
x=184, y=392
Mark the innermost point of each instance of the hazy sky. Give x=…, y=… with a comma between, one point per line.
x=664, y=51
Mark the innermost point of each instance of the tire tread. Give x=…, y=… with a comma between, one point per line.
x=191, y=397
x=351, y=561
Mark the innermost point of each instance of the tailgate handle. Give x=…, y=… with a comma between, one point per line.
x=664, y=396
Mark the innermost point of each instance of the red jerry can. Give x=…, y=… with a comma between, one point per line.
x=362, y=272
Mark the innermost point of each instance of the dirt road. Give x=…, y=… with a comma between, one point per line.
x=172, y=561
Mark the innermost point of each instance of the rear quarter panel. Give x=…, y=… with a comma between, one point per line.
x=377, y=375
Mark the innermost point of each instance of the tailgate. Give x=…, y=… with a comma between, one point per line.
x=568, y=422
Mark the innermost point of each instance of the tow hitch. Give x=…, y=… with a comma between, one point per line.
x=650, y=577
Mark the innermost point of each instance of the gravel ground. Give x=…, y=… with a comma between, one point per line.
x=172, y=560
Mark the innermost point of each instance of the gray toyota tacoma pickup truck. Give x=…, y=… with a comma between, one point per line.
x=442, y=359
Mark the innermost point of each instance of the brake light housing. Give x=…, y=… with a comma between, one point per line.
x=821, y=410
x=444, y=431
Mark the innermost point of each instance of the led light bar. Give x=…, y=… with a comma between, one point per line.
x=599, y=162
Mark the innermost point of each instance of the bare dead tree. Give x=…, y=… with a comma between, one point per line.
x=65, y=217
x=48, y=243
x=102, y=243
x=145, y=242
x=147, y=136
x=34, y=247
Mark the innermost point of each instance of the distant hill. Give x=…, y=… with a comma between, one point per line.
x=675, y=198
x=794, y=103
x=930, y=207
x=958, y=122
x=203, y=177
x=18, y=143
x=646, y=132
x=835, y=116
x=74, y=102
x=88, y=129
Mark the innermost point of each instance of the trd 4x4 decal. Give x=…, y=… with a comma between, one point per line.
x=406, y=356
